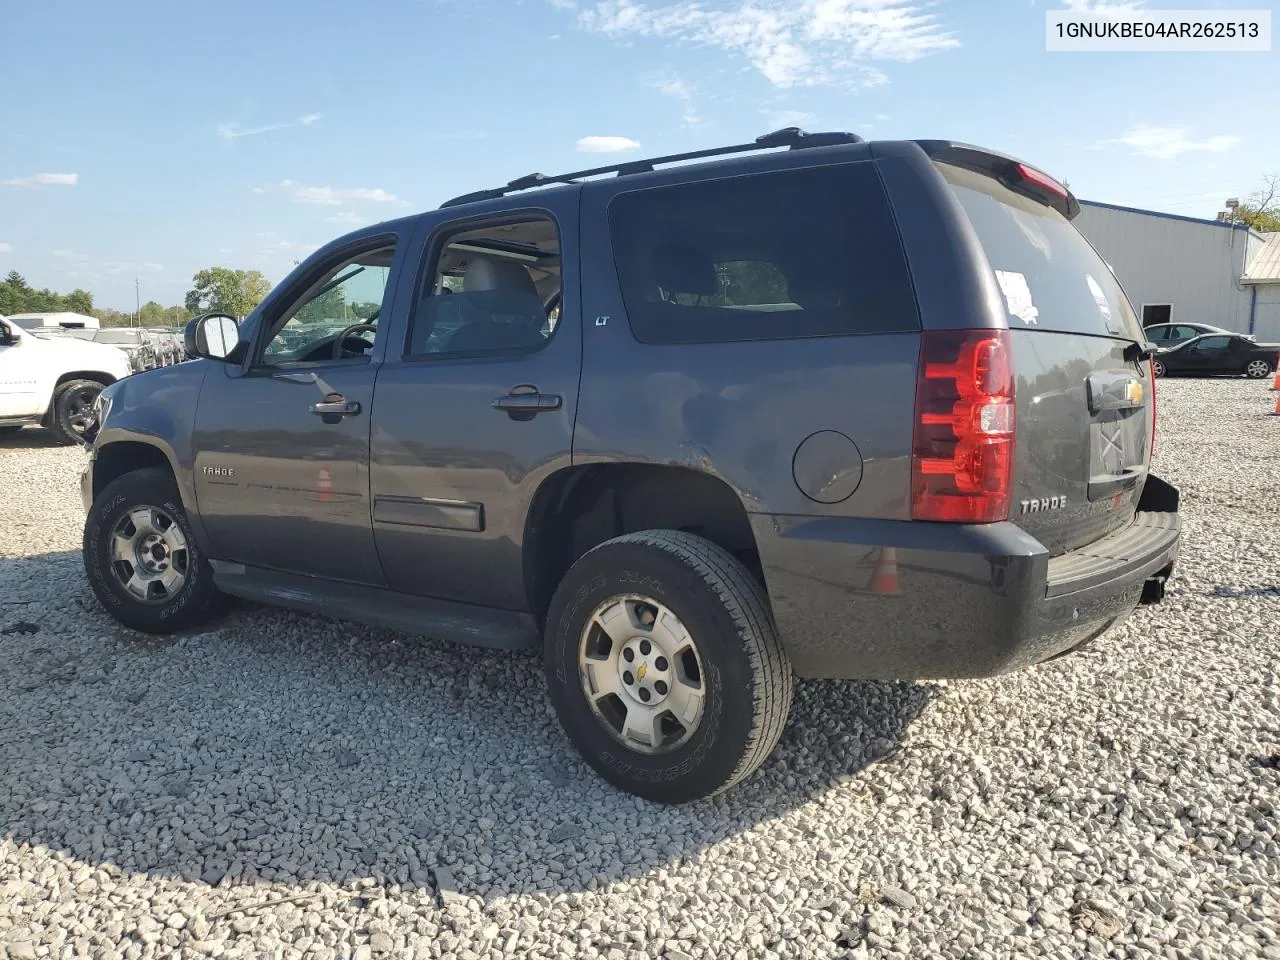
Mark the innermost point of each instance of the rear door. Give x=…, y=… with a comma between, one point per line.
x=475, y=405
x=1084, y=395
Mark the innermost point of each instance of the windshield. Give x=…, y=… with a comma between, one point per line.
x=1051, y=278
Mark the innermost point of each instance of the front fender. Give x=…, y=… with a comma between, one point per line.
x=156, y=409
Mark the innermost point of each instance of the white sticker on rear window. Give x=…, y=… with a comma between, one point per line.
x=1017, y=296
x=1100, y=299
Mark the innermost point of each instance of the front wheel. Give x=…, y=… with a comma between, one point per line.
x=1158, y=367
x=665, y=667
x=1257, y=369
x=142, y=559
x=72, y=409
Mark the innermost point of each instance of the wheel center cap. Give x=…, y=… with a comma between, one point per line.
x=644, y=671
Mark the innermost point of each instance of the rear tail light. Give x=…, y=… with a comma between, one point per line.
x=1041, y=180
x=962, y=454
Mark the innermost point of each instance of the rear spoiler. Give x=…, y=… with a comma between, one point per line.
x=1013, y=173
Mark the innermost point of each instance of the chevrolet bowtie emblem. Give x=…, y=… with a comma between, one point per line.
x=644, y=668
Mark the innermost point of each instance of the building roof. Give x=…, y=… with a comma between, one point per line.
x=1265, y=265
x=1168, y=216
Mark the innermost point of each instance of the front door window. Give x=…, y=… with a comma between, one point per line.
x=337, y=318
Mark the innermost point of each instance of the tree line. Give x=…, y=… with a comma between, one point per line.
x=216, y=290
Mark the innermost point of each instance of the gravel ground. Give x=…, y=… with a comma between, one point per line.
x=283, y=786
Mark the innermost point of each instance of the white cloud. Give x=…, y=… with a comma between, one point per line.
x=43, y=180
x=1102, y=7
x=1168, y=143
x=270, y=242
x=675, y=88
x=335, y=196
x=607, y=144
x=234, y=131
x=790, y=42
x=348, y=217
x=788, y=118
x=6, y=248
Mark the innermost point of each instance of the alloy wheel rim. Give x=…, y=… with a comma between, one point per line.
x=642, y=674
x=149, y=555
x=1258, y=369
x=80, y=408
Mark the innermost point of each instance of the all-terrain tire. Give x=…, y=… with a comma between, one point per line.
x=747, y=676
x=195, y=602
x=72, y=401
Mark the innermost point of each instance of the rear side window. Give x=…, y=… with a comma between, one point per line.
x=1051, y=278
x=802, y=253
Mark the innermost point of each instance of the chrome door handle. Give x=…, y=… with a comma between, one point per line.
x=336, y=408
x=528, y=402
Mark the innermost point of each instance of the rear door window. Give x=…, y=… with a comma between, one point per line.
x=812, y=252
x=1050, y=276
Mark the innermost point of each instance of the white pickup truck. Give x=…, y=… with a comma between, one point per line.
x=53, y=381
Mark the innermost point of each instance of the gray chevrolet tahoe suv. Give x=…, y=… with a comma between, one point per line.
x=813, y=408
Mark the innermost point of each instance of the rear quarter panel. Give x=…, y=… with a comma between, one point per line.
x=739, y=410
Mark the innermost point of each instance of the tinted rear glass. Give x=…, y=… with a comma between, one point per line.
x=812, y=252
x=1051, y=278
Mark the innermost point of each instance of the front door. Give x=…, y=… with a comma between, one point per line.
x=476, y=408
x=19, y=374
x=282, y=440
x=1209, y=355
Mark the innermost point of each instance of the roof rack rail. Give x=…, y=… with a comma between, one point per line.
x=791, y=137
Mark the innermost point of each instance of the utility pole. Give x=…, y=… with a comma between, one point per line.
x=137, y=303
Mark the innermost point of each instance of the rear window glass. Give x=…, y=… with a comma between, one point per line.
x=801, y=253
x=1049, y=275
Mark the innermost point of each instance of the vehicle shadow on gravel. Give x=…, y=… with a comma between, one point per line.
x=285, y=748
x=29, y=438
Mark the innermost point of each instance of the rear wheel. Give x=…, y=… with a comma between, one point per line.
x=142, y=559
x=1257, y=369
x=1158, y=367
x=72, y=409
x=665, y=667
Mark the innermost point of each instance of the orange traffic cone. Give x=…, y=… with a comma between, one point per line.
x=1276, y=411
x=885, y=579
x=1275, y=384
x=324, y=484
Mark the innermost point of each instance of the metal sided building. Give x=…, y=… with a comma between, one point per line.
x=1184, y=268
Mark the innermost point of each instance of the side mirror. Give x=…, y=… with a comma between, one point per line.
x=212, y=335
x=10, y=334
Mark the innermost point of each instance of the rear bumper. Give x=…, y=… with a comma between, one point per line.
x=889, y=599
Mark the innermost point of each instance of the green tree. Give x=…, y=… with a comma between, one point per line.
x=329, y=306
x=1262, y=210
x=79, y=301
x=222, y=290
x=13, y=293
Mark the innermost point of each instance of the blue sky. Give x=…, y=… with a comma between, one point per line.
x=151, y=140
